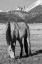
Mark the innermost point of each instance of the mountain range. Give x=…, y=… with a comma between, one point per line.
x=32, y=14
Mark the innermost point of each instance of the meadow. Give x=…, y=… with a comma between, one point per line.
x=36, y=46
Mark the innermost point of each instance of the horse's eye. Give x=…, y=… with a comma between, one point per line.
x=10, y=50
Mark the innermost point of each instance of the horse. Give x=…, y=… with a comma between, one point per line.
x=18, y=31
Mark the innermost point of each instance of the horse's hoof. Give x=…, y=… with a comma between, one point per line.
x=20, y=55
x=27, y=55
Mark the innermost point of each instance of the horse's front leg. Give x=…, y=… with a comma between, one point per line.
x=21, y=45
x=13, y=49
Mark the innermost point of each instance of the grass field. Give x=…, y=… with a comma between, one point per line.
x=36, y=47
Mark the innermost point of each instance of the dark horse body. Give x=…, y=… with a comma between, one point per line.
x=18, y=31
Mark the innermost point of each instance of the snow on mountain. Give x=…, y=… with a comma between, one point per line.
x=38, y=2
x=1, y=11
x=17, y=9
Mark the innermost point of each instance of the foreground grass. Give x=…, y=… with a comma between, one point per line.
x=36, y=48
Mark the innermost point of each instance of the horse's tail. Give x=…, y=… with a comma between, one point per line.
x=28, y=40
x=8, y=33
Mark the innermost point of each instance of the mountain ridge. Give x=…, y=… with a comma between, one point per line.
x=36, y=3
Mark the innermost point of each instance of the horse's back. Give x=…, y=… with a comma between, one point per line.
x=22, y=25
x=22, y=28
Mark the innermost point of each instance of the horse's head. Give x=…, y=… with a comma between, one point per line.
x=11, y=52
x=11, y=35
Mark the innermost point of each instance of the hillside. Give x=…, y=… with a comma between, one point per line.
x=33, y=16
x=9, y=16
x=37, y=9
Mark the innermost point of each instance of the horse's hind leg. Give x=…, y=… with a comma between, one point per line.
x=21, y=45
x=26, y=46
x=29, y=46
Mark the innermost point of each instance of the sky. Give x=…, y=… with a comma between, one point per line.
x=6, y=5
